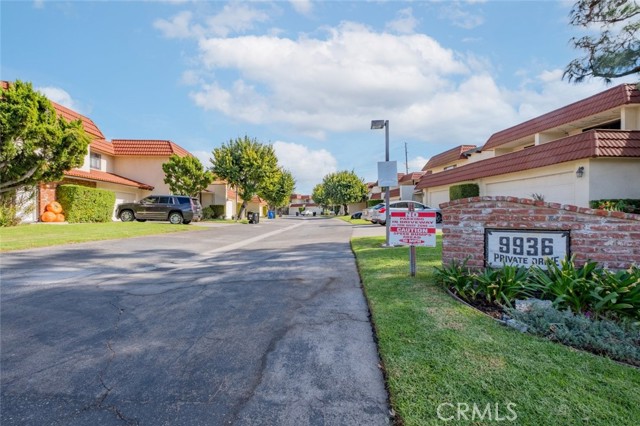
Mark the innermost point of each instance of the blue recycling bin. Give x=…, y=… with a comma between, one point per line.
x=271, y=214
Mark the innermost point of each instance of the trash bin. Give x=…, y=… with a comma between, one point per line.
x=271, y=214
x=252, y=217
x=297, y=213
x=314, y=213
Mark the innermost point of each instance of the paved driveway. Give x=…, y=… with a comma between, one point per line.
x=244, y=324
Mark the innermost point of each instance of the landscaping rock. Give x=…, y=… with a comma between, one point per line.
x=520, y=326
x=527, y=304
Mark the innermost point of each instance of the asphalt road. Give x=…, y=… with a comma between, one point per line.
x=244, y=324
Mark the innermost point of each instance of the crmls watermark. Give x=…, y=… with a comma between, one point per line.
x=473, y=412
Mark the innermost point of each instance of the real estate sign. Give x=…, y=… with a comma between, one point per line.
x=524, y=247
x=417, y=228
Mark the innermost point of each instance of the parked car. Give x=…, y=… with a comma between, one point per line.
x=356, y=215
x=379, y=215
x=174, y=208
x=367, y=214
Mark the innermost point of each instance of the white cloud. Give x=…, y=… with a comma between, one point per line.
x=336, y=82
x=460, y=16
x=235, y=17
x=60, y=96
x=417, y=163
x=303, y=7
x=38, y=4
x=307, y=166
x=318, y=85
x=179, y=26
x=204, y=157
x=405, y=22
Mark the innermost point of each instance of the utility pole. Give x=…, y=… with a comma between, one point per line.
x=406, y=159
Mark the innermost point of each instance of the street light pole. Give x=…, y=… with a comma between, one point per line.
x=387, y=222
x=379, y=124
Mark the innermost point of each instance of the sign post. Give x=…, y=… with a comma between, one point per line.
x=413, y=228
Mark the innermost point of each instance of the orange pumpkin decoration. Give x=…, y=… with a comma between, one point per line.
x=59, y=217
x=48, y=217
x=54, y=207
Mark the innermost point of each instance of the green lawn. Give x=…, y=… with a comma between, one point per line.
x=42, y=235
x=437, y=351
x=353, y=221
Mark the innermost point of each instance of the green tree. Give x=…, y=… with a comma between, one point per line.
x=186, y=175
x=245, y=164
x=343, y=188
x=319, y=197
x=36, y=144
x=277, y=190
x=616, y=51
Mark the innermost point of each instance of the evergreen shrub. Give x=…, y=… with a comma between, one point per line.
x=82, y=204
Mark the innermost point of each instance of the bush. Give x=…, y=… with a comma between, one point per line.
x=83, y=204
x=213, y=212
x=585, y=289
x=627, y=205
x=464, y=190
x=503, y=286
x=619, y=341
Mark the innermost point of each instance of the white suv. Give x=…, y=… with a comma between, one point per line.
x=379, y=215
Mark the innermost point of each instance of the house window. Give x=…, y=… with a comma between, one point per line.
x=96, y=161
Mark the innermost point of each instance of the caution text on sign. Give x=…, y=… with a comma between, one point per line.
x=413, y=228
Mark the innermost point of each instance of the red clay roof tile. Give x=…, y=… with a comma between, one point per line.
x=106, y=177
x=149, y=148
x=595, y=143
x=103, y=146
x=615, y=97
x=447, y=157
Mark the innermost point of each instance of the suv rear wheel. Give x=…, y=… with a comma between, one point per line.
x=175, y=218
x=126, y=216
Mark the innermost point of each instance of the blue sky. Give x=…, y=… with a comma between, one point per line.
x=306, y=76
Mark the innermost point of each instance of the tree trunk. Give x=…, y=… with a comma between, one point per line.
x=242, y=209
x=346, y=212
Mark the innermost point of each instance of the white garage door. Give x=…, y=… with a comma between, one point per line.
x=123, y=197
x=558, y=188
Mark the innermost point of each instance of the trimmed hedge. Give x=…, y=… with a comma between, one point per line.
x=465, y=190
x=626, y=205
x=371, y=203
x=81, y=204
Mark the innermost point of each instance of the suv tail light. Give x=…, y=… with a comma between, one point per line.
x=382, y=210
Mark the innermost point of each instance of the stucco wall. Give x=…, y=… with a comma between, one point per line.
x=143, y=169
x=614, y=178
x=609, y=238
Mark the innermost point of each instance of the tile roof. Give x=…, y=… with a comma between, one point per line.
x=106, y=177
x=394, y=192
x=148, y=148
x=448, y=156
x=591, y=144
x=376, y=196
x=101, y=145
x=615, y=97
x=410, y=177
x=88, y=124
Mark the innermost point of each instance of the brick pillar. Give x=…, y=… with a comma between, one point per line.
x=46, y=194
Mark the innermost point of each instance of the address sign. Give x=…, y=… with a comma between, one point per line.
x=524, y=247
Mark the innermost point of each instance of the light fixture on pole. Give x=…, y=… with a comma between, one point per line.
x=377, y=125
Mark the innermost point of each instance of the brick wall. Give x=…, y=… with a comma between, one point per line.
x=610, y=238
x=47, y=191
x=46, y=194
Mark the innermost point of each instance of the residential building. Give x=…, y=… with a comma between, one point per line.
x=132, y=169
x=587, y=150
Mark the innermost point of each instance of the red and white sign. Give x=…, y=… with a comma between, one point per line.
x=413, y=228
